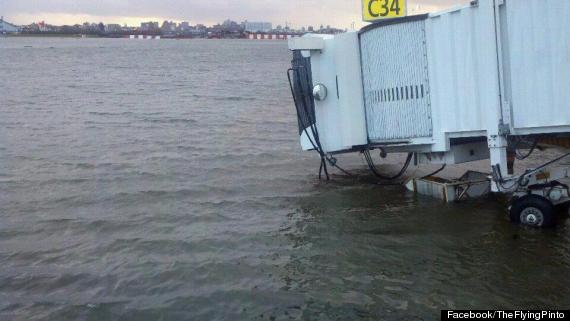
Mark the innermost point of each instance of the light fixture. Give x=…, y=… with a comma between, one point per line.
x=320, y=92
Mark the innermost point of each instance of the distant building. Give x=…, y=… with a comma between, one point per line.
x=168, y=26
x=185, y=26
x=231, y=26
x=149, y=26
x=43, y=26
x=6, y=27
x=113, y=28
x=258, y=26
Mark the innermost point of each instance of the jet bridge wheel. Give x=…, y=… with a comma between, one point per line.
x=534, y=211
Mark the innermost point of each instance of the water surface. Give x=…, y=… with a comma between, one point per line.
x=162, y=180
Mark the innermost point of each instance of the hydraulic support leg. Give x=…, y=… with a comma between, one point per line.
x=498, y=150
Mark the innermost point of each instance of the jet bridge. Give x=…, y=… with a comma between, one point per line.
x=450, y=87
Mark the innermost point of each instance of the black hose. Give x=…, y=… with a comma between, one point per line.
x=307, y=121
x=436, y=172
x=373, y=169
x=530, y=152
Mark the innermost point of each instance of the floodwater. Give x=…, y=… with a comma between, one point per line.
x=162, y=180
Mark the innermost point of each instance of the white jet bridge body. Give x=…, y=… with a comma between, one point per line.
x=451, y=87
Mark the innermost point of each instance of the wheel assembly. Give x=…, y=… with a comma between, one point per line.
x=534, y=211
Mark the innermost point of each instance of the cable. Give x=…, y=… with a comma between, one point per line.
x=333, y=162
x=304, y=118
x=520, y=182
x=549, y=163
x=374, y=170
x=530, y=152
x=307, y=121
x=436, y=172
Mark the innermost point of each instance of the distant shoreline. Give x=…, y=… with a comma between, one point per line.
x=78, y=36
x=19, y=35
x=145, y=37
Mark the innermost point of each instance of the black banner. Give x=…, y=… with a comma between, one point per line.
x=523, y=315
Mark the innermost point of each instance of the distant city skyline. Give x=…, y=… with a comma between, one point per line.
x=340, y=13
x=229, y=29
x=168, y=26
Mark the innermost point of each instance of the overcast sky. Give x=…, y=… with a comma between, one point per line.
x=340, y=13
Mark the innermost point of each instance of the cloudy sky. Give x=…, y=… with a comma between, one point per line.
x=340, y=13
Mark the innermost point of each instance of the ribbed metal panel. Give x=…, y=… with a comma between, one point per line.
x=396, y=82
x=464, y=81
x=538, y=62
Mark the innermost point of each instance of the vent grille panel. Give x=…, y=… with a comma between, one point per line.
x=396, y=82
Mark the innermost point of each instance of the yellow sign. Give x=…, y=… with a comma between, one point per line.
x=383, y=9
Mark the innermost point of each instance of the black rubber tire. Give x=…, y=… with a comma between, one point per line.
x=533, y=202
